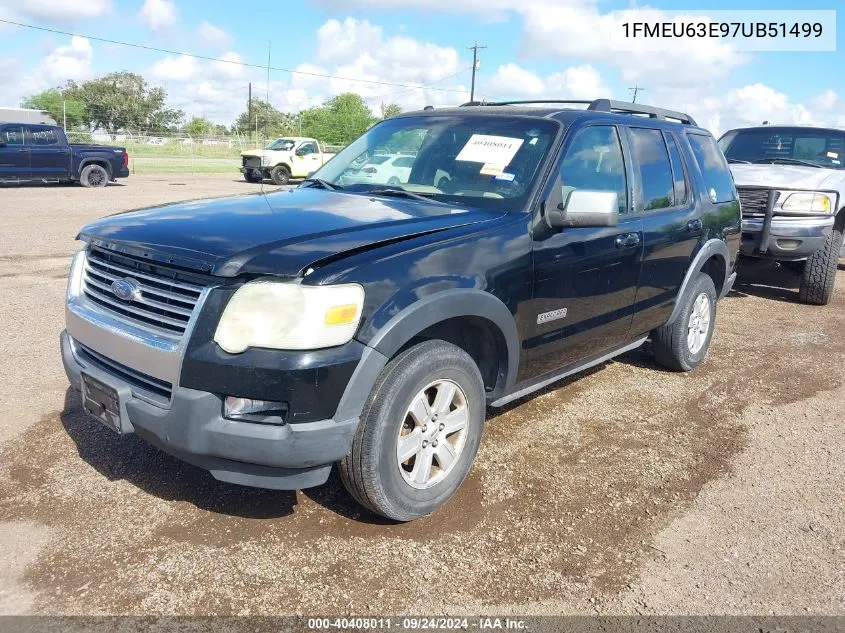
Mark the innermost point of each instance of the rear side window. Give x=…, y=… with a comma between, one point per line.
x=12, y=135
x=43, y=136
x=657, y=188
x=681, y=196
x=714, y=168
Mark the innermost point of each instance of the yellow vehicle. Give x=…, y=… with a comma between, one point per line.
x=283, y=159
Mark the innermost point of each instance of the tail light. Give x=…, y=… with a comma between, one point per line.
x=369, y=170
x=125, y=160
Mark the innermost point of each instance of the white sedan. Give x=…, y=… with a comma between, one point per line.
x=386, y=169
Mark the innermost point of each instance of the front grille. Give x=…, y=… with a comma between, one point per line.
x=753, y=202
x=143, y=386
x=164, y=301
x=252, y=161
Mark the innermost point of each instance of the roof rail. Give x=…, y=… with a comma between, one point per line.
x=602, y=105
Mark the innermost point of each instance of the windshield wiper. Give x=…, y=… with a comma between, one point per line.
x=397, y=192
x=737, y=160
x=791, y=161
x=323, y=184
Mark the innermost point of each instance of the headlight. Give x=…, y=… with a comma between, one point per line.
x=285, y=315
x=807, y=203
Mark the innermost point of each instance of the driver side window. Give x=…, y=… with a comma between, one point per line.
x=594, y=161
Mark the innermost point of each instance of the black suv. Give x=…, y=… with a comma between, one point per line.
x=369, y=316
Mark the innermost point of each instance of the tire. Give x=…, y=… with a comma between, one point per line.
x=819, y=274
x=94, y=176
x=372, y=472
x=253, y=175
x=280, y=175
x=675, y=345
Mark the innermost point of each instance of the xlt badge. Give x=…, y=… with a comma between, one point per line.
x=545, y=317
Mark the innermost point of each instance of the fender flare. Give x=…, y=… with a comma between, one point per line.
x=87, y=161
x=711, y=247
x=449, y=304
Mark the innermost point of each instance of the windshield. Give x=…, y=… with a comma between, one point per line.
x=281, y=144
x=792, y=145
x=486, y=161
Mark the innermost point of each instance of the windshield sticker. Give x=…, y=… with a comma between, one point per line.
x=493, y=150
x=489, y=169
x=505, y=176
x=832, y=155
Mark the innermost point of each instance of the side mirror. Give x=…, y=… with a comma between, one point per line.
x=585, y=207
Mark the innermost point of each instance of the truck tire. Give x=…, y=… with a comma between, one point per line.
x=819, y=274
x=428, y=402
x=683, y=344
x=94, y=176
x=253, y=175
x=280, y=175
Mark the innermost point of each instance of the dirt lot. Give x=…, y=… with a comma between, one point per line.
x=626, y=490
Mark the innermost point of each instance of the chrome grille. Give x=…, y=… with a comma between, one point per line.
x=143, y=386
x=753, y=202
x=163, y=302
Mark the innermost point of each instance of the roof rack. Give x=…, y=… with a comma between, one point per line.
x=601, y=105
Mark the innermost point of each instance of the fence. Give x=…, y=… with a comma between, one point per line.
x=179, y=153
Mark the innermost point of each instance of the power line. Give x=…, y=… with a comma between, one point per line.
x=225, y=61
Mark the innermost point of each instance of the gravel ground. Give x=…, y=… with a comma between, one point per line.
x=627, y=490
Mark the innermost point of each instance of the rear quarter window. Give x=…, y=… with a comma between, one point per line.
x=714, y=168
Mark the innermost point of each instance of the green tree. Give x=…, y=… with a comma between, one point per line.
x=339, y=121
x=266, y=119
x=199, y=126
x=124, y=101
x=53, y=102
x=389, y=110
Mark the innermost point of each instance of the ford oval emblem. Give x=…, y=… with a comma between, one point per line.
x=125, y=289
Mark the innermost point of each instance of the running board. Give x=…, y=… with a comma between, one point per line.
x=544, y=382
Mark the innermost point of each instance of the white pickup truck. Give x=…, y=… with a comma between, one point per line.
x=791, y=184
x=283, y=159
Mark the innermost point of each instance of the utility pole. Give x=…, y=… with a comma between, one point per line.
x=267, y=116
x=474, y=48
x=635, y=91
x=249, y=107
x=64, y=115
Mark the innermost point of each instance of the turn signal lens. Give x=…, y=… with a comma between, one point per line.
x=341, y=315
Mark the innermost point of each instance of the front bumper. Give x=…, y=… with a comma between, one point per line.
x=193, y=429
x=784, y=238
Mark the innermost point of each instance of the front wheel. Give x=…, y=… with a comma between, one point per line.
x=280, y=175
x=419, y=432
x=819, y=274
x=683, y=344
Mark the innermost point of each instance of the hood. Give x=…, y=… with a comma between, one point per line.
x=262, y=152
x=781, y=176
x=280, y=233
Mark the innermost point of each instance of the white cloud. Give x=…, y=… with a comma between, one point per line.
x=824, y=101
x=578, y=82
x=54, y=11
x=175, y=68
x=158, y=14
x=214, y=36
x=67, y=61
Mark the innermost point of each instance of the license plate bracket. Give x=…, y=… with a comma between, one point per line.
x=101, y=402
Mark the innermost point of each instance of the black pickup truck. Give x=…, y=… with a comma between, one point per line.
x=30, y=152
x=266, y=337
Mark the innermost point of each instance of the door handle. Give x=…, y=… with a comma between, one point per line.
x=694, y=225
x=627, y=240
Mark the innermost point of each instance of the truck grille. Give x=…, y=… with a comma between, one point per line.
x=143, y=386
x=753, y=201
x=163, y=301
x=252, y=161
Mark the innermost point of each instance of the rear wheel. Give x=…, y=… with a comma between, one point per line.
x=280, y=175
x=683, y=344
x=419, y=432
x=94, y=176
x=819, y=274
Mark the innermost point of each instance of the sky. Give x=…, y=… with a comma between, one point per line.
x=546, y=49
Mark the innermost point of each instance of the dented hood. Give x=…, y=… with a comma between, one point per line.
x=281, y=233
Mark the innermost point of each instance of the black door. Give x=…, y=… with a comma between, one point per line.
x=14, y=154
x=50, y=156
x=672, y=223
x=585, y=279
